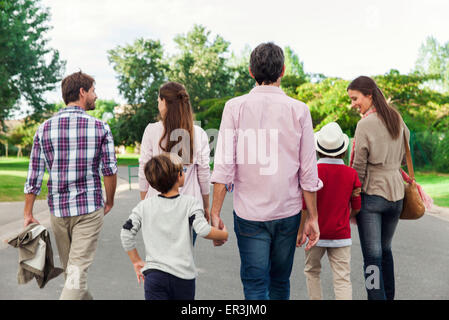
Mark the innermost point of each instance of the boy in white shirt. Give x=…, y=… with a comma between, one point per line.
x=166, y=221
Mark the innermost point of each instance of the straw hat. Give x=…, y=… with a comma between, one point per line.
x=330, y=140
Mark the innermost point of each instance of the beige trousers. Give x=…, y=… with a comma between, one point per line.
x=76, y=239
x=340, y=262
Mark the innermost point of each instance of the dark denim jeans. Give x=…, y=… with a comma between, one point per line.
x=266, y=254
x=376, y=223
x=160, y=285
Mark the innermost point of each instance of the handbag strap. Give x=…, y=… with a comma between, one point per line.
x=408, y=157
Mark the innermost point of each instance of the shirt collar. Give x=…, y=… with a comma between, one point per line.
x=331, y=161
x=76, y=109
x=172, y=197
x=267, y=89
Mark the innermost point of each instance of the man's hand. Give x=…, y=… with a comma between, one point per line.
x=218, y=223
x=108, y=207
x=137, y=267
x=28, y=210
x=312, y=232
x=29, y=219
x=110, y=184
x=217, y=202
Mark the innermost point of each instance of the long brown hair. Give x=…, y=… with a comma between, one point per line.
x=179, y=115
x=389, y=115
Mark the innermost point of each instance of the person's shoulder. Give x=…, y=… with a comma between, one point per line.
x=351, y=172
x=349, y=169
x=370, y=120
x=295, y=102
x=189, y=200
x=198, y=130
x=237, y=99
x=154, y=125
x=140, y=205
x=300, y=107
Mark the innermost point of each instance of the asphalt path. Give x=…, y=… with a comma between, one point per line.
x=420, y=250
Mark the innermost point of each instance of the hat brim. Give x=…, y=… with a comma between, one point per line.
x=333, y=154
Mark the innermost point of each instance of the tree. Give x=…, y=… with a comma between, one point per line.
x=433, y=59
x=141, y=71
x=328, y=101
x=242, y=82
x=28, y=68
x=294, y=75
x=201, y=66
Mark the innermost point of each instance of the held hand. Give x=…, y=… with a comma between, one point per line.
x=218, y=223
x=207, y=214
x=27, y=220
x=137, y=267
x=299, y=241
x=312, y=232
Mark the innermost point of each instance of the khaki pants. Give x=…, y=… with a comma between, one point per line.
x=340, y=262
x=76, y=239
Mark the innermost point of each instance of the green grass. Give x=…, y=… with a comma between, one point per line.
x=435, y=185
x=127, y=159
x=13, y=173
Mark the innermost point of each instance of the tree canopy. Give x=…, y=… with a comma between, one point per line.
x=28, y=67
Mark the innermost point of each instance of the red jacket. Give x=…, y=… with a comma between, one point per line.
x=335, y=200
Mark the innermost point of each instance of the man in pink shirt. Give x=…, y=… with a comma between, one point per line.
x=266, y=148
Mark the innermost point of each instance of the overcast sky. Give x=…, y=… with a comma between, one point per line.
x=337, y=38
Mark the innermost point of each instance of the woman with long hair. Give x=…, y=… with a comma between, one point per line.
x=175, y=132
x=378, y=153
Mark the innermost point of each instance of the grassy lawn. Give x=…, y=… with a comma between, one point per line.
x=13, y=173
x=435, y=185
x=127, y=159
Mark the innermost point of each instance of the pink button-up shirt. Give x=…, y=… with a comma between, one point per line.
x=266, y=148
x=197, y=180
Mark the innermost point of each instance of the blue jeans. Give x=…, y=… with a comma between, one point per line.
x=266, y=254
x=160, y=285
x=377, y=221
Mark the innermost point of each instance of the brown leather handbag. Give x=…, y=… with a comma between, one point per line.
x=413, y=205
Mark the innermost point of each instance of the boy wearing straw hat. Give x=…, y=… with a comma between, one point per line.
x=337, y=202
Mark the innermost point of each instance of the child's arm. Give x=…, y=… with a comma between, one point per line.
x=128, y=238
x=217, y=234
x=356, y=200
x=137, y=263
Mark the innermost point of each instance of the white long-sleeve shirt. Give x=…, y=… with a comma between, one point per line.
x=166, y=225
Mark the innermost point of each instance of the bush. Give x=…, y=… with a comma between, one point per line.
x=431, y=151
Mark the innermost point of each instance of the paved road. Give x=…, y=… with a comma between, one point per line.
x=420, y=248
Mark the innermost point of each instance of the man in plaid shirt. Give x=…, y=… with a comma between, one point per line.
x=74, y=147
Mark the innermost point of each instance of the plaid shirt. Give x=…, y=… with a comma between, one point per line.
x=73, y=146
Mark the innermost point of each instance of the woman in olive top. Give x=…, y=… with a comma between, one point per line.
x=378, y=154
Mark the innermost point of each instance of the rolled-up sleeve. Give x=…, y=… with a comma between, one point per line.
x=200, y=224
x=108, y=159
x=203, y=163
x=225, y=153
x=308, y=170
x=36, y=168
x=146, y=152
